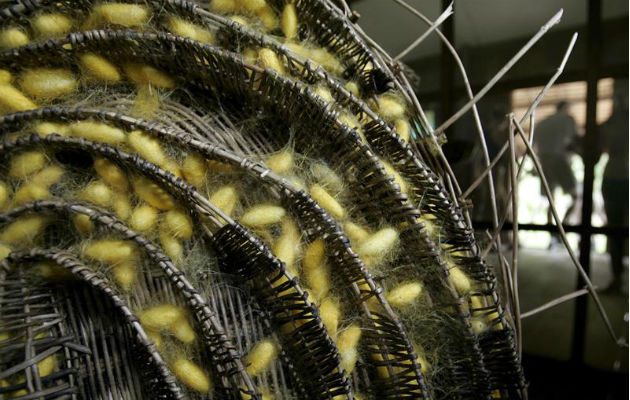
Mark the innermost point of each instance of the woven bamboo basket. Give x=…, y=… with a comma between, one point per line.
x=244, y=295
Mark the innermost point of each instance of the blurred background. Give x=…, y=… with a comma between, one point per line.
x=581, y=137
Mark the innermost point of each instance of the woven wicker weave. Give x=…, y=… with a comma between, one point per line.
x=215, y=87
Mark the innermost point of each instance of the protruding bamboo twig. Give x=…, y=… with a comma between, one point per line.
x=531, y=109
x=563, y=236
x=554, y=20
x=555, y=302
x=447, y=13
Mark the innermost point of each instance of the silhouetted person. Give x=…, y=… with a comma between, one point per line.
x=555, y=136
x=614, y=140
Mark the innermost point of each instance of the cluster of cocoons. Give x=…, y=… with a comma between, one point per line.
x=147, y=208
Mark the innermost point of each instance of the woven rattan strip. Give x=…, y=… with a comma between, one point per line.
x=164, y=387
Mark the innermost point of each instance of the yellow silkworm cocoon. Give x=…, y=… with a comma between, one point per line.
x=146, y=74
x=356, y=233
x=390, y=107
x=219, y=166
x=263, y=215
x=424, y=364
x=397, y=178
x=147, y=147
x=30, y=192
x=24, y=229
x=26, y=163
x=171, y=246
x=280, y=163
x=250, y=55
x=225, y=199
x=181, y=27
x=298, y=49
x=171, y=166
x=5, y=77
x=287, y=247
x=99, y=68
x=315, y=254
x=97, y=192
x=109, y=251
x=153, y=194
x=52, y=24
x=252, y=5
x=289, y=21
x=48, y=176
x=122, y=14
x=316, y=270
x=269, y=59
x=111, y=174
x=324, y=93
x=4, y=193
x=4, y=251
x=239, y=19
x=82, y=224
x=52, y=271
x=168, y=317
x=268, y=17
x=191, y=375
x=404, y=294
x=477, y=303
x=143, y=218
x=13, y=37
x=223, y=5
x=328, y=202
x=429, y=226
x=479, y=325
x=48, y=128
x=46, y=366
x=382, y=370
x=261, y=357
x=403, y=129
x=480, y=310
x=330, y=314
x=121, y=205
x=327, y=177
x=184, y=332
x=178, y=223
x=48, y=82
x=460, y=280
x=150, y=149
x=350, y=120
x=328, y=61
x=347, y=342
x=156, y=337
x=353, y=88
x=161, y=317
x=12, y=100
x=194, y=170
x=97, y=132
x=378, y=245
